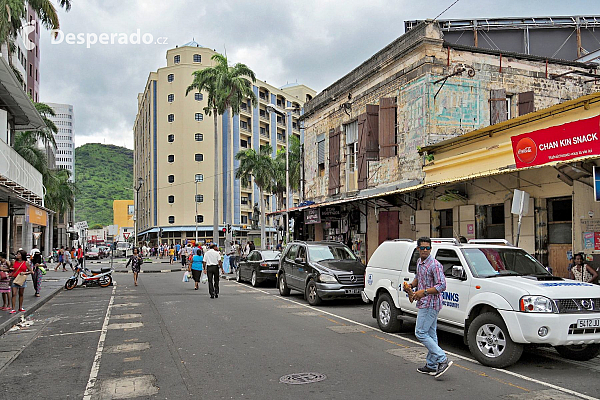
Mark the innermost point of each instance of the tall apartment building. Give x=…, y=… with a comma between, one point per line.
x=65, y=137
x=174, y=149
x=33, y=55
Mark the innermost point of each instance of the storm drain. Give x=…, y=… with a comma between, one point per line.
x=302, y=378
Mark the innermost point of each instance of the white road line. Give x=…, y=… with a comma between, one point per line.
x=87, y=395
x=527, y=378
x=70, y=333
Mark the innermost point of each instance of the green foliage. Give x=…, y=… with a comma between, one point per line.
x=103, y=173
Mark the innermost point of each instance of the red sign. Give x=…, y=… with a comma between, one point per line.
x=596, y=240
x=557, y=143
x=126, y=235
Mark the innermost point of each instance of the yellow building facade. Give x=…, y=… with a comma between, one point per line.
x=123, y=211
x=174, y=149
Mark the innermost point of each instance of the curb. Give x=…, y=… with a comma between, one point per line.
x=154, y=271
x=5, y=326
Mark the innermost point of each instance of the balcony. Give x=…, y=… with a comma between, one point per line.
x=264, y=132
x=19, y=176
x=263, y=114
x=281, y=137
x=245, y=109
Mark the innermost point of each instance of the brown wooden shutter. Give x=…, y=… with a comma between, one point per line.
x=387, y=127
x=498, y=111
x=372, y=132
x=361, y=157
x=526, y=103
x=334, y=161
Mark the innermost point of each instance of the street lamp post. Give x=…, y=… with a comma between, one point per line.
x=196, y=201
x=140, y=182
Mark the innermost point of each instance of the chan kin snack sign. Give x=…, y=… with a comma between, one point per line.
x=557, y=143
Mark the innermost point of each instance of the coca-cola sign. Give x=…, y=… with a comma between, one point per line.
x=557, y=143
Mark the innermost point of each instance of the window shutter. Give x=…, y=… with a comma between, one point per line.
x=387, y=127
x=334, y=161
x=526, y=103
x=321, y=149
x=498, y=111
x=361, y=158
x=372, y=132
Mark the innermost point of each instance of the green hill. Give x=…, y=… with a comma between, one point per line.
x=103, y=173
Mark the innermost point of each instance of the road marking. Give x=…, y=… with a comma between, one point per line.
x=71, y=333
x=87, y=395
x=347, y=329
x=130, y=359
x=390, y=341
x=128, y=347
x=483, y=374
x=307, y=314
x=504, y=371
x=126, y=325
x=126, y=316
x=289, y=306
x=127, y=305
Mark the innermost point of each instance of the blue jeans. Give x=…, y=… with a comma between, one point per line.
x=426, y=332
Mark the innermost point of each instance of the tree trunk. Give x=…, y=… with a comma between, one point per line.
x=216, y=184
x=263, y=236
x=229, y=180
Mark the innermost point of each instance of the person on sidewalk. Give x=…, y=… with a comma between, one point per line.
x=430, y=283
x=5, y=282
x=80, y=256
x=20, y=267
x=195, y=267
x=67, y=260
x=36, y=263
x=171, y=254
x=61, y=259
x=136, y=262
x=212, y=262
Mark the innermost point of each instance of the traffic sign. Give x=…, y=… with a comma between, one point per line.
x=126, y=235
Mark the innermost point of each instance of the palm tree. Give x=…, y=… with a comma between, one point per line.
x=227, y=88
x=60, y=192
x=294, y=163
x=14, y=12
x=260, y=165
x=26, y=144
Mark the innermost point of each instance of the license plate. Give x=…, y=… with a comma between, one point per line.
x=352, y=291
x=588, y=323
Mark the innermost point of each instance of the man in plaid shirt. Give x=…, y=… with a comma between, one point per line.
x=430, y=283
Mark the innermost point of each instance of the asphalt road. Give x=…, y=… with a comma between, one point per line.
x=162, y=339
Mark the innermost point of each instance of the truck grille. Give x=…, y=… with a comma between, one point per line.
x=574, y=330
x=566, y=306
x=351, y=279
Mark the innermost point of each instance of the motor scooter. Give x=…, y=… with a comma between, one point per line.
x=97, y=277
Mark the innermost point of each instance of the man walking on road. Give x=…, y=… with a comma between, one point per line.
x=212, y=262
x=430, y=283
x=80, y=256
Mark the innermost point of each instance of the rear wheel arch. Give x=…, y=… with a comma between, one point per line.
x=378, y=293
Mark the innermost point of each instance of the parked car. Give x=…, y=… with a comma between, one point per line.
x=104, y=251
x=498, y=297
x=93, y=254
x=320, y=270
x=258, y=267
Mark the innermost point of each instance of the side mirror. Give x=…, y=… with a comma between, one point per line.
x=299, y=260
x=458, y=272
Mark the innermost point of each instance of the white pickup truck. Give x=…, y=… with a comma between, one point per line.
x=498, y=297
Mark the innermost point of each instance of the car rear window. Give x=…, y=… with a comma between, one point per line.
x=329, y=252
x=271, y=255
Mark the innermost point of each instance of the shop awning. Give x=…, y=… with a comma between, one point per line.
x=14, y=99
x=192, y=228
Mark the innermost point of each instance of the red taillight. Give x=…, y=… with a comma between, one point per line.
x=264, y=265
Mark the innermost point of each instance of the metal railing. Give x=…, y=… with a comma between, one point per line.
x=14, y=168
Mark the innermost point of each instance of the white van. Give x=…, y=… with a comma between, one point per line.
x=498, y=297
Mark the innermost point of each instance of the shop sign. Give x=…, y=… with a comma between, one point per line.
x=312, y=216
x=331, y=213
x=557, y=143
x=3, y=210
x=34, y=215
x=596, y=187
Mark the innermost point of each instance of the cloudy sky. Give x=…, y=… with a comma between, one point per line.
x=314, y=42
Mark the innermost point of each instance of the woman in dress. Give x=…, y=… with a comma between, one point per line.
x=581, y=271
x=5, y=282
x=136, y=261
x=37, y=262
x=195, y=267
x=20, y=267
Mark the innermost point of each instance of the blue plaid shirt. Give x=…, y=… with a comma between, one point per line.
x=430, y=273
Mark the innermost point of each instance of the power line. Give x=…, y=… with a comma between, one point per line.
x=450, y=6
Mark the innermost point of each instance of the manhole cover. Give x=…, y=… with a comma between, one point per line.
x=302, y=377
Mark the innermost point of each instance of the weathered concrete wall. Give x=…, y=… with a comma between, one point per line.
x=408, y=73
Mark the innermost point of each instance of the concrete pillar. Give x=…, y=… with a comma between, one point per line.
x=27, y=236
x=49, y=236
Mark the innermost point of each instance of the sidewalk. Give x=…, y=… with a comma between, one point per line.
x=52, y=284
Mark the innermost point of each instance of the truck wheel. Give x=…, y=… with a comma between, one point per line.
x=284, y=290
x=387, y=314
x=311, y=294
x=582, y=352
x=490, y=342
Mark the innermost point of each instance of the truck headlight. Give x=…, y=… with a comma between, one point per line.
x=326, y=278
x=540, y=304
